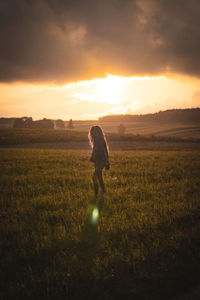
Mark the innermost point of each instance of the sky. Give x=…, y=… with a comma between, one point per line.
x=84, y=59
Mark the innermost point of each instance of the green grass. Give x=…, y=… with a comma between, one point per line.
x=146, y=244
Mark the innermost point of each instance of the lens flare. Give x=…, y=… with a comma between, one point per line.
x=95, y=216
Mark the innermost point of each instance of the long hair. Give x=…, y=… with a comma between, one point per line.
x=97, y=137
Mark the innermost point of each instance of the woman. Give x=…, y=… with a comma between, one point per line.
x=99, y=156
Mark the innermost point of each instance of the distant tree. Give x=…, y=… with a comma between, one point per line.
x=18, y=123
x=24, y=122
x=70, y=124
x=60, y=123
x=45, y=123
x=7, y=122
x=121, y=129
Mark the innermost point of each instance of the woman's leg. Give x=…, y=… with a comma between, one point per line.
x=97, y=177
x=100, y=178
x=95, y=182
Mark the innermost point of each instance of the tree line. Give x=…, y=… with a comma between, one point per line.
x=27, y=122
x=172, y=115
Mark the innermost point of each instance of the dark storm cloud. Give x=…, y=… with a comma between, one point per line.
x=65, y=40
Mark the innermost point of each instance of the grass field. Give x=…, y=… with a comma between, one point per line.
x=145, y=245
x=72, y=139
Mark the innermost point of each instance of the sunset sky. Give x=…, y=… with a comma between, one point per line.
x=85, y=59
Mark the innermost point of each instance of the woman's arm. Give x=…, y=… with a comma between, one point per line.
x=92, y=156
x=107, y=158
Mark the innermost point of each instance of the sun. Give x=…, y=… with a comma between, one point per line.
x=110, y=89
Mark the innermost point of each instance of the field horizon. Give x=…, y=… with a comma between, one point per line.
x=175, y=137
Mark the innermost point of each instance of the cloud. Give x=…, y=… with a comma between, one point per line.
x=62, y=41
x=125, y=107
x=169, y=103
x=196, y=98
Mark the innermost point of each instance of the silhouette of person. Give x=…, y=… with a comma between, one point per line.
x=99, y=156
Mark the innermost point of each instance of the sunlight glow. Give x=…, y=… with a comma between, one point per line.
x=102, y=90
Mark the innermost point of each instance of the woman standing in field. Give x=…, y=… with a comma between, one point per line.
x=99, y=156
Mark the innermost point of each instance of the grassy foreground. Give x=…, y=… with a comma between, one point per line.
x=145, y=245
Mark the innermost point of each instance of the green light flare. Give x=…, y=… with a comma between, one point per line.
x=95, y=215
